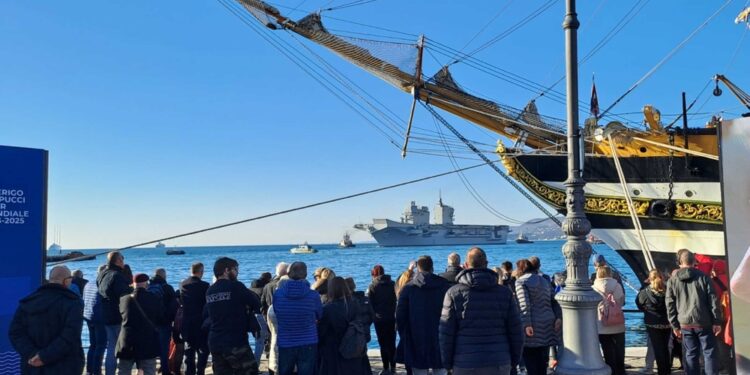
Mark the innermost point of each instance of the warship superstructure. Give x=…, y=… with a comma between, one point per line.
x=414, y=229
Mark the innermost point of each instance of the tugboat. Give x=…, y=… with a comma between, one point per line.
x=346, y=242
x=175, y=251
x=303, y=249
x=523, y=239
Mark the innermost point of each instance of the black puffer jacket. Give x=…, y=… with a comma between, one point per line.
x=382, y=294
x=48, y=322
x=418, y=317
x=653, y=305
x=113, y=284
x=139, y=338
x=480, y=325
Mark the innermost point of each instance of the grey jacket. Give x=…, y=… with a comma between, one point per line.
x=691, y=300
x=535, y=301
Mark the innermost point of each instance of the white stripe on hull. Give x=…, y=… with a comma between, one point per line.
x=699, y=191
x=665, y=240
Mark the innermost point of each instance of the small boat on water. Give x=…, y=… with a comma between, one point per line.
x=523, y=239
x=175, y=251
x=74, y=256
x=303, y=249
x=160, y=245
x=346, y=242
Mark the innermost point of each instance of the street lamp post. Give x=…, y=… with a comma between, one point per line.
x=580, y=354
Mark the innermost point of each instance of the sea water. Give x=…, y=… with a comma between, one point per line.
x=353, y=262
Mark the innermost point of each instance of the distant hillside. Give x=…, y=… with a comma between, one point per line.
x=537, y=230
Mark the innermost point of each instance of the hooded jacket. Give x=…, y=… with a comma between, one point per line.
x=298, y=309
x=420, y=304
x=48, y=322
x=535, y=302
x=113, y=284
x=691, y=300
x=480, y=325
x=604, y=287
x=382, y=294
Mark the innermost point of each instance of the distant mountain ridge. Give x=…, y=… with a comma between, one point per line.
x=537, y=230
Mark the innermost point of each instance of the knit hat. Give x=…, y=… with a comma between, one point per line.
x=140, y=278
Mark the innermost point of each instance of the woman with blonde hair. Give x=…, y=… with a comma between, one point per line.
x=611, y=335
x=651, y=301
x=321, y=282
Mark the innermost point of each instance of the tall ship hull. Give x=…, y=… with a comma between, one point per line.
x=414, y=229
x=665, y=195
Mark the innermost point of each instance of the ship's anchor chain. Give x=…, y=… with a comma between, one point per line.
x=665, y=208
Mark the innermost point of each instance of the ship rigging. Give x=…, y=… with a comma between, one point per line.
x=650, y=191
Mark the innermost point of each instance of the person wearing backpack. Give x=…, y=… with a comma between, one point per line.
x=343, y=336
x=159, y=287
x=651, y=301
x=611, y=322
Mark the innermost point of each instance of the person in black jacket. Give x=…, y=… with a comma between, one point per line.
x=159, y=286
x=258, y=284
x=193, y=295
x=382, y=295
x=480, y=326
x=138, y=343
x=46, y=328
x=651, y=300
x=231, y=310
x=418, y=317
x=454, y=267
x=337, y=313
x=113, y=284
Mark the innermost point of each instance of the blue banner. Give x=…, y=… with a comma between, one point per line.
x=23, y=223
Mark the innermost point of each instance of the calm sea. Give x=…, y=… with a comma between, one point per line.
x=354, y=262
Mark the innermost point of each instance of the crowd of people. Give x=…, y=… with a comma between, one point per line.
x=470, y=319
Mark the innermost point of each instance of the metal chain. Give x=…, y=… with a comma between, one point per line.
x=671, y=162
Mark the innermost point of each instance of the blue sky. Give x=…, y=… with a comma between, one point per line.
x=162, y=117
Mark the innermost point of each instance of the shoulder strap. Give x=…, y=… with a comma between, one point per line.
x=143, y=313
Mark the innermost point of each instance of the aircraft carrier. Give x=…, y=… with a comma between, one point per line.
x=414, y=229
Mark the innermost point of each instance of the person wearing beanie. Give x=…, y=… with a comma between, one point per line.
x=138, y=342
x=382, y=295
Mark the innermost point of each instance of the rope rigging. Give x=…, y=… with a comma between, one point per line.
x=667, y=57
x=286, y=211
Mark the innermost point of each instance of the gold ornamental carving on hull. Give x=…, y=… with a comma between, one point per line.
x=695, y=211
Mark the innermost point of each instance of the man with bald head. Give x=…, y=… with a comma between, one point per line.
x=46, y=328
x=480, y=326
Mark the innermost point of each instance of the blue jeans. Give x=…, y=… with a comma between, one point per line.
x=165, y=334
x=110, y=363
x=695, y=341
x=97, y=346
x=305, y=357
